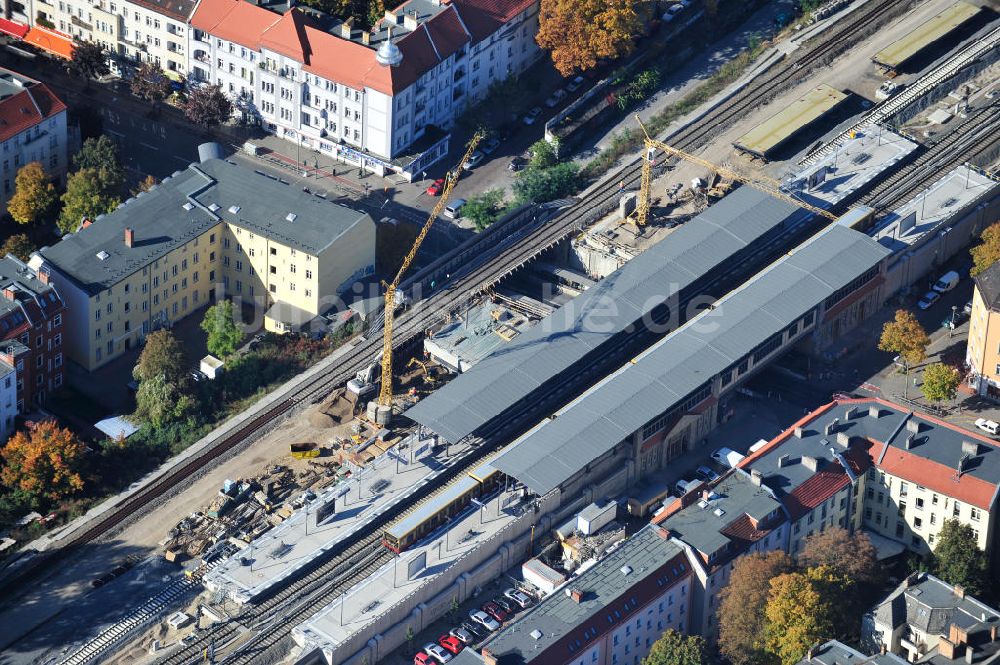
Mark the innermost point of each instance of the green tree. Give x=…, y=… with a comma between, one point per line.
x=34, y=194
x=675, y=648
x=18, y=245
x=987, y=252
x=581, y=33
x=85, y=198
x=541, y=185
x=150, y=84
x=741, y=607
x=904, y=335
x=543, y=154
x=101, y=154
x=957, y=558
x=164, y=393
x=208, y=106
x=89, y=60
x=224, y=333
x=940, y=382
x=801, y=610
x=484, y=209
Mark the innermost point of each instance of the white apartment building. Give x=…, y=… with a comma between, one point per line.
x=138, y=30
x=32, y=129
x=381, y=99
x=8, y=400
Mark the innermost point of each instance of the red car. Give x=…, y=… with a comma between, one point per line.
x=423, y=659
x=495, y=611
x=451, y=643
x=436, y=187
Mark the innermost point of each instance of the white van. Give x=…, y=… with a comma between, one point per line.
x=948, y=281
x=682, y=486
x=454, y=209
x=727, y=457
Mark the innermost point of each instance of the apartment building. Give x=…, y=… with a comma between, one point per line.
x=32, y=129
x=982, y=353
x=153, y=31
x=874, y=465
x=927, y=620
x=382, y=99
x=8, y=400
x=719, y=524
x=835, y=652
x=608, y=615
x=217, y=229
x=31, y=332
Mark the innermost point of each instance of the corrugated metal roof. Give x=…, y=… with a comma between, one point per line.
x=557, y=342
x=677, y=366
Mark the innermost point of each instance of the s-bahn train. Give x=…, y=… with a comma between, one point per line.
x=441, y=508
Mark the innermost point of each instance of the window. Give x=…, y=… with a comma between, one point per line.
x=920, y=504
x=917, y=523
x=274, y=251
x=955, y=511
x=974, y=514
x=309, y=274
x=274, y=270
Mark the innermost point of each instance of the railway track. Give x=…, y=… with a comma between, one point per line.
x=498, y=261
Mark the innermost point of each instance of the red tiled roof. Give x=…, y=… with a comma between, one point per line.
x=28, y=108
x=13, y=28
x=234, y=20
x=54, y=42
x=288, y=36
x=484, y=17
x=744, y=528
x=818, y=488
x=938, y=477
x=447, y=32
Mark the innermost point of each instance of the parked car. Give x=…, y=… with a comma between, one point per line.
x=485, y=620
x=531, y=116
x=519, y=597
x=706, y=474
x=516, y=164
x=422, y=659
x=451, y=643
x=474, y=160
x=671, y=12
x=948, y=281
x=988, y=426
x=436, y=187
x=477, y=630
x=463, y=634
x=437, y=652
x=575, y=84
x=454, y=209
x=556, y=98
x=968, y=307
x=491, y=146
x=928, y=300
x=97, y=582
x=495, y=611
x=683, y=486
x=506, y=605
x=727, y=458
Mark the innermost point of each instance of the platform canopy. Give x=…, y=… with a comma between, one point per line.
x=894, y=55
x=763, y=139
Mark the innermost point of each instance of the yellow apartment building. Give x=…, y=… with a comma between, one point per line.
x=982, y=353
x=217, y=228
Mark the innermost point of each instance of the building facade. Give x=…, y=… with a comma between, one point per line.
x=215, y=229
x=32, y=129
x=32, y=315
x=380, y=99
x=8, y=400
x=982, y=353
x=154, y=31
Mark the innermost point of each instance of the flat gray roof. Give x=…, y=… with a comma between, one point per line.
x=678, y=365
x=584, y=324
x=653, y=564
x=215, y=190
x=709, y=525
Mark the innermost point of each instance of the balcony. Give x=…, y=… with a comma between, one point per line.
x=458, y=75
x=80, y=23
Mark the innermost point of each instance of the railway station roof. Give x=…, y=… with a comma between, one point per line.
x=768, y=135
x=895, y=54
x=542, y=353
x=675, y=367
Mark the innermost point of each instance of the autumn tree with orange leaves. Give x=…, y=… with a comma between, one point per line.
x=43, y=462
x=580, y=33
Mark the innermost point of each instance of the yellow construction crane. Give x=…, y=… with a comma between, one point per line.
x=761, y=182
x=384, y=409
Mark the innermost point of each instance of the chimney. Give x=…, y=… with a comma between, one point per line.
x=575, y=594
x=488, y=657
x=810, y=463
x=366, y=37
x=129, y=237
x=993, y=633
x=831, y=427
x=783, y=461
x=913, y=425
x=850, y=413
x=946, y=648
x=347, y=28
x=798, y=432
x=909, y=442
x=44, y=276
x=969, y=655
x=410, y=20
x=706, y=494
x=970, y=448
x=843, y=439
x=663, y=533
x=8, y=292
x=756, y=477
x=874, y=411
x=959, y=591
